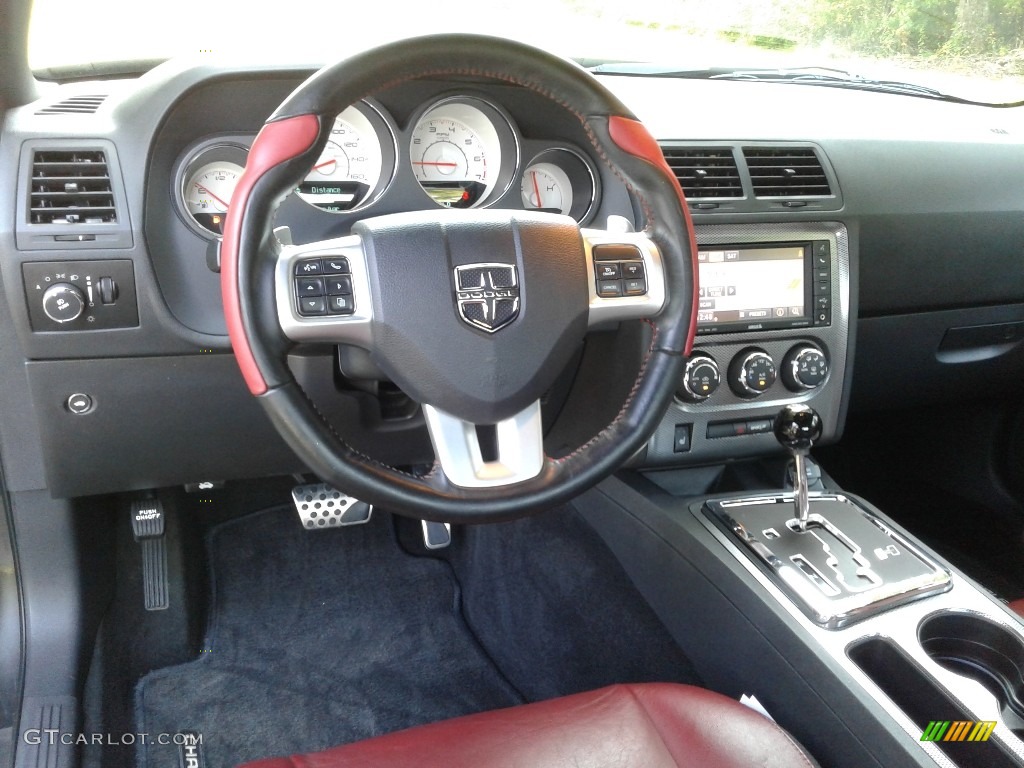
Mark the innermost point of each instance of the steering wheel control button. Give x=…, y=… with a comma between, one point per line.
x=608, y=270
x=310, y=286
x=609, y=289
x=681, y=440
x=340, y=305
x=804, y=367
x=701, y=378
x=752, y=373
x=63, y=302
x=339, y=285
x=336, y=266
x=615, y=252
x=79, y=404
x=312, y=305
x=309, y=267
x=635, y=286
x=633, y=270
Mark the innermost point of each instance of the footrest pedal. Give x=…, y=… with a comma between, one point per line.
x=321, y=506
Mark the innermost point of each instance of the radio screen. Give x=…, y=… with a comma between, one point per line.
x=750, y=286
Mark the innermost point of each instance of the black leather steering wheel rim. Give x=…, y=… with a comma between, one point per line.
x=288, y=146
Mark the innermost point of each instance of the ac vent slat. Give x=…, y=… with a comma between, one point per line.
x=75, y=105
x=704, y=173
x=786, y=172
x=71, y=187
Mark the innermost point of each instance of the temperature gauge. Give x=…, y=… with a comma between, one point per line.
x=560, y=181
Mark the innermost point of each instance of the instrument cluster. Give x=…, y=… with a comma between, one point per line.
x=459, y=151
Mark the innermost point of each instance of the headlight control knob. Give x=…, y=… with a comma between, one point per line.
x=804, y=367
x=701, y=378
x=751, y=373
x=63, y=302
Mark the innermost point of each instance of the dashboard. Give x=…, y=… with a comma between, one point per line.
x=856, y=250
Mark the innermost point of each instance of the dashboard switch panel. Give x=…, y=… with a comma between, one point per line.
x=80, y=295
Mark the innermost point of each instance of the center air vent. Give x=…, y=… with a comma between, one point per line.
x=75, y=105
x=71, y=187
x=786, y=172
x=704, y=173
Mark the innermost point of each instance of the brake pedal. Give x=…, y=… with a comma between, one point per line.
x=148, y=528
x=436, y=535
x=322, y=506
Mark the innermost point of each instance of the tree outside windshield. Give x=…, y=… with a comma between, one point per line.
x=967, y=47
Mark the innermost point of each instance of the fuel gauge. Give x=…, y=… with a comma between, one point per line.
x=206, y=180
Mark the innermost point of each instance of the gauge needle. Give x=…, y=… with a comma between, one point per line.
x=536, y=189
x=201, y=188
x=425, y=162
x=324, y=164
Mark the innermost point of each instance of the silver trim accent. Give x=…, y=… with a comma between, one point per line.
x=900, y=625
x=520, y=442
x=625, y=307
x=695, y=360
x=333, y=329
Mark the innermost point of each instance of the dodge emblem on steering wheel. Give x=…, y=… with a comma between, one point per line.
x=488, y=295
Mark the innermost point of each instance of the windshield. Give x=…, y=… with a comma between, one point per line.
x=967, y=48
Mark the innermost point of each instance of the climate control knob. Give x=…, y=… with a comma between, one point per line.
x=804, y=367
x=63, y=302
x=752, y=373
x=701, y=378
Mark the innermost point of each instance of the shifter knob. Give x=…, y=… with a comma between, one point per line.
x=797, y=427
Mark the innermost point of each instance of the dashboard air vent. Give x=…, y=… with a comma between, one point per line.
x=75, y=105
x=786, y=172
x=71, y=187
x=704, y=173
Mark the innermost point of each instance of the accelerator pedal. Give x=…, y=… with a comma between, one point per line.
x=148, y=527
x=322, y=506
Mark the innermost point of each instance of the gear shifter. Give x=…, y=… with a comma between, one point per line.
x=796, y=428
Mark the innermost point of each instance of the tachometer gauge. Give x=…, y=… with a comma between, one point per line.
x=456, y=152
x=349, y=168
x=207, y=192
x=560, y=180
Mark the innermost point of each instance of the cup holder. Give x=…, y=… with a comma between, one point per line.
x=984, y=651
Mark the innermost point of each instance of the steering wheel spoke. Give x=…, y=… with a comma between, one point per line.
x=472, y=456
x=323, y=292
x=626, y=276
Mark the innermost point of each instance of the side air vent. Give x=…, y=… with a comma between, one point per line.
x=71, y=187
x=786, y=172
x=704, y=173
x=75, y=105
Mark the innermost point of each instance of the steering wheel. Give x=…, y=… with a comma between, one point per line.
x=471, y=313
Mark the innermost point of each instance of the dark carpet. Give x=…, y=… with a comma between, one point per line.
x=317, y=639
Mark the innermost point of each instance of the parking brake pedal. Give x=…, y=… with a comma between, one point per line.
x=321, y=506
x=148, y=527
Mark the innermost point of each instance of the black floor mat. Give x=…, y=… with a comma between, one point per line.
x=317, y=639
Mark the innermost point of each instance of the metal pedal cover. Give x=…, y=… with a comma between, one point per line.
x=436, y=535
x=321, y=506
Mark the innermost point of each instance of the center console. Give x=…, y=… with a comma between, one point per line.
x=773, y=327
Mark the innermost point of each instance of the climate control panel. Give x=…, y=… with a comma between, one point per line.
x=743, y=370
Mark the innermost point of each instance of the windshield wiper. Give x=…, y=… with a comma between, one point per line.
x=823, y=76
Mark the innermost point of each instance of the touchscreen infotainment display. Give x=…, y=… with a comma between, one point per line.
x=753, y=287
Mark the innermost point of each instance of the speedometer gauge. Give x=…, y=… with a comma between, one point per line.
x=349, y=168
x=456, y=151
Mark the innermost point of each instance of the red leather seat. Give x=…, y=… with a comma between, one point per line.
x=626, y=726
